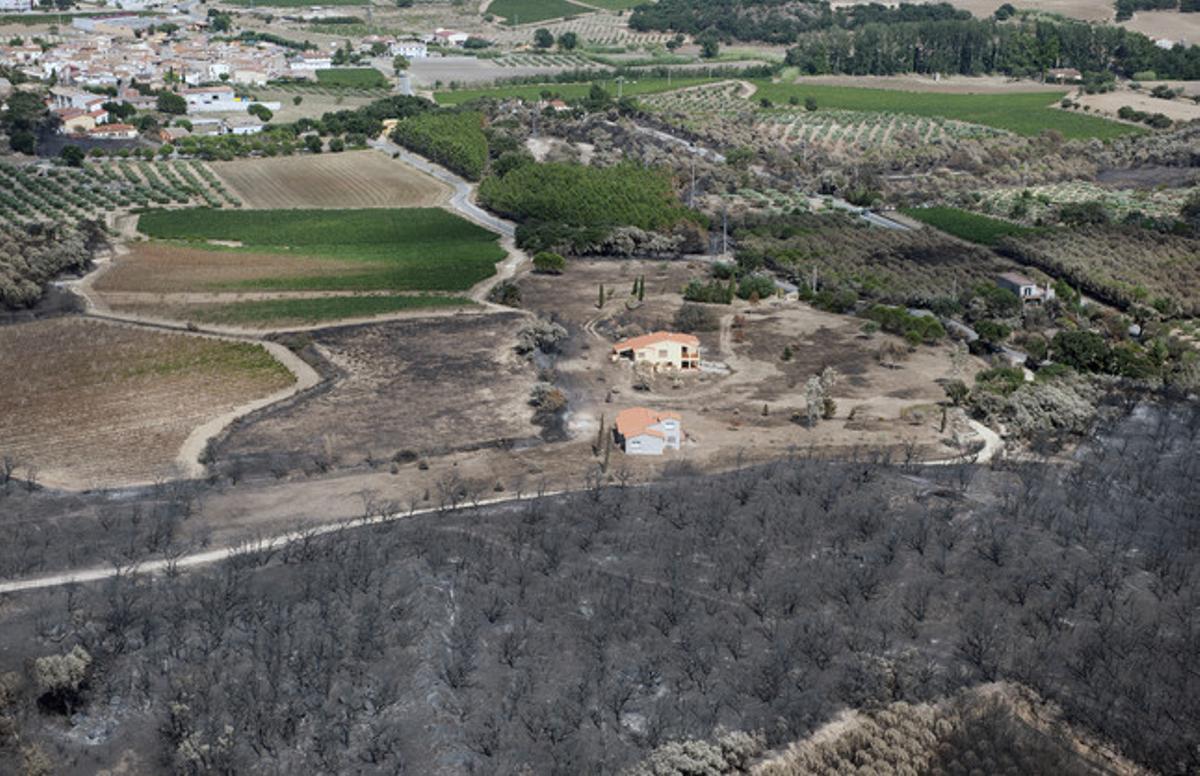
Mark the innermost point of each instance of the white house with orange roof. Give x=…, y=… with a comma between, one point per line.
x=661, y=350
x=642, y=431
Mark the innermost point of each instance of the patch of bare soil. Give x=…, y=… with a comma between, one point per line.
x=355, y=179
x=1169, y=25
x=415, y=387
x=88, y=403
x=1182, y=109
x=1148, y=177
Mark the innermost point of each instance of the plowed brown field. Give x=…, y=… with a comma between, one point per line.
x=89, y=403
x=163, y=268
x=355, y=179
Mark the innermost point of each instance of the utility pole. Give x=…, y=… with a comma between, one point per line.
x=620, y=86
x=724, y=232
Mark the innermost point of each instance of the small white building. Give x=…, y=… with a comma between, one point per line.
x=70, y=97
x=310, y=64
x=243, y=125
x=642, y=431
x=250, y=76
x=445, y=37
x=212, y=99
x=661, y=350
x=413, y=49
x=1025, y=288
x=16, y=6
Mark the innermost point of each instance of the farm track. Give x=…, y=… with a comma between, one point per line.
x=188, y=458
x=271, y=544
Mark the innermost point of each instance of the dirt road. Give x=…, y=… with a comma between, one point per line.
x=193, y=560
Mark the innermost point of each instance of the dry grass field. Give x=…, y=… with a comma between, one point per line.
x=1171, y=25
x=105, y=404
x=1182, y=109
x=354, y=179
x=429, y=386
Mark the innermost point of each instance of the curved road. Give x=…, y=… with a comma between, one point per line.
x=463, y=189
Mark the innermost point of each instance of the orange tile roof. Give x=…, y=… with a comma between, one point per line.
x=646, y=340
x=636, y=421
x=105, y=129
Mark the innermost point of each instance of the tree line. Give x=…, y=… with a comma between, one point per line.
x=775, y=21
x=978, y=47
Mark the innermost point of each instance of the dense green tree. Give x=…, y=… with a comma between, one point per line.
x=549, y=263
x=1084, y=350
x=169, y=102
x=72, y=155
x=25, y=118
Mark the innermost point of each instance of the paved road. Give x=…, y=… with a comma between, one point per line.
x=875, y=219
x=463, y=189
x=209, y=557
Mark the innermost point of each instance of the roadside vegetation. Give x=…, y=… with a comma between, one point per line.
x=454, y=140
x=572, y=209
x=31, y=256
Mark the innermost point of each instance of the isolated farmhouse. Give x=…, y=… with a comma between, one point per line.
x=1025, y=288
x=661, y=350
x=642, y=431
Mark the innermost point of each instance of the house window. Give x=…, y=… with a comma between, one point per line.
x=662, y=352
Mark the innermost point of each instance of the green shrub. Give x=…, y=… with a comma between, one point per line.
x=1084, y=350
x=914, y=328
x=835, y=300
x=1002, y=380
x=549, y=263
x=695, y=317
x=756, y=286
x=713, y=292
